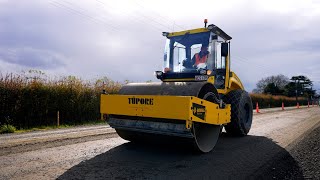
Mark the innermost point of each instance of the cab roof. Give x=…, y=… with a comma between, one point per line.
x=213, y=28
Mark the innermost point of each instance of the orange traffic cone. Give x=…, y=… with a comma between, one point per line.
x=257, y=108
x=282, y=106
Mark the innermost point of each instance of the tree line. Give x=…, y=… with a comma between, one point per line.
x=296, y=86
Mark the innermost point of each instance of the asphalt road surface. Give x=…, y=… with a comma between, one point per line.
x=280, y=145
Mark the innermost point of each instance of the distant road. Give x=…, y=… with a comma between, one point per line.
x=96, y=152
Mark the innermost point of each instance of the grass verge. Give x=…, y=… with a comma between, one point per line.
x=43, y=128
x=7, y=129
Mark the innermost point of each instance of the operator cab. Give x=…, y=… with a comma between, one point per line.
x=195, y=55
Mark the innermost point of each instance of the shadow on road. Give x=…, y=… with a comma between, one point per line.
x=233, y=158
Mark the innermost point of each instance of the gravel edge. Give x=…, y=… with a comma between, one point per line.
x=301, y=162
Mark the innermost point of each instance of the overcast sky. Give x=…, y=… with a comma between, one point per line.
x=122, y=39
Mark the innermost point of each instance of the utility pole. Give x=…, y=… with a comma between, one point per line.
x=296, y=90
x=296, y=81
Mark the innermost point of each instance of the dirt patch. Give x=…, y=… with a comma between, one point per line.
x=53, y=143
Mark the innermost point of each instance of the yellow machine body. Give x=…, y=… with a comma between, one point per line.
x=191, y=103
x=185, y=108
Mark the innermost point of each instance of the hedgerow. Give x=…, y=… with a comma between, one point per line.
x=32, y=99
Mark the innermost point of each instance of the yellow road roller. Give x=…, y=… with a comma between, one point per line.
x=197, y=96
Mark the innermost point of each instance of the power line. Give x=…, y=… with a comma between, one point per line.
x=70, y=7
x=130, y=16
x=84, y=10
x=147, y=18
x=253, y=63
x=162, y=17
x=165, y=26
x=107, y=26
x=238, y=61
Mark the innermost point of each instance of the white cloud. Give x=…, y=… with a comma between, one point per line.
x=32, y=58
x=122, y=39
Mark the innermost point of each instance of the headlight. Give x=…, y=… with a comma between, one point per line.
x=165, y=34
x=158, y=74
x=210, y=27
x=202, y=71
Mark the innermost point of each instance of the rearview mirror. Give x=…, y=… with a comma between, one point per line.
x=224, y=49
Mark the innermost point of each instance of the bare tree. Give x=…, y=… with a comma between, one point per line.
x=279, y=80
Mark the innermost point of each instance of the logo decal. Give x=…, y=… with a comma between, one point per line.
x=144, y=101
x=201, y=78
x=199, y=111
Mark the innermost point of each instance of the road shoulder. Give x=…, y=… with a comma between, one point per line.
x=304, y=152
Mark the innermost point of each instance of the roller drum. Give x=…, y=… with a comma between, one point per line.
x=201, y=136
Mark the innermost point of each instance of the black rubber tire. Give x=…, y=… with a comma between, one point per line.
x=241, y=112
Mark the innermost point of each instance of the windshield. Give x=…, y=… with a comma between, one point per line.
x=188, y=53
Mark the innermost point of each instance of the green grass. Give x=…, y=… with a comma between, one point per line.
x=7, y=129
x=42, y=128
